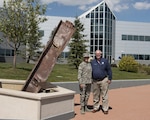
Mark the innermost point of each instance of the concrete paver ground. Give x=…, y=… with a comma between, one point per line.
x=132, y=103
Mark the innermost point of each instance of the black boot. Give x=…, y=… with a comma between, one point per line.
x=87, y=109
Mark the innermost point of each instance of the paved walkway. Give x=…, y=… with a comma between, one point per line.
x=132, y=103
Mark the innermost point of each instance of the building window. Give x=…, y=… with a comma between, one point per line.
x=6, y=52
x=101, y=15
x=101, y=8
x=100, y=42
x=92, y=28
x=92, y=14
x=124, y=37
x=100, y=28
x=2, y=52
x=92, y=21
x=141, y=38
x=136, y=38
x=147, y=38
x=96, y=35
x=130, y=37
x=147, y=57
x=101, y=21
x=96, y=42
x=91, y=49
x=96, y=15
x=101, y=35
x=92, y=36
x=141, y=57
x=96, y=9
x=96, y=28
x=88, y=15
x=91, y=42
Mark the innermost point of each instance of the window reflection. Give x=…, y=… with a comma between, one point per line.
x=136, y=38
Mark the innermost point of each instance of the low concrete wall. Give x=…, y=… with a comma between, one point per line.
x=114, y=85
x=12, y=84
x=75, y=86
x=20, y=105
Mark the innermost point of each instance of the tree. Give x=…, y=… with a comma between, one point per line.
x=32, y=50
x=34, y=35
x=19, y=21
x=77, y=45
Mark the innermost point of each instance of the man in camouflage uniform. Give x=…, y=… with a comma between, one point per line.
x=85, y=80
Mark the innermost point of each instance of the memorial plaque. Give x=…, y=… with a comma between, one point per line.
x=47, y=60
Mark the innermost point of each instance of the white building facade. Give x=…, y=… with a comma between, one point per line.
x=133, y=38
x=104, y=32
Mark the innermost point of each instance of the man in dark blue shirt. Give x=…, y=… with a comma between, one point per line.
x=102, y=76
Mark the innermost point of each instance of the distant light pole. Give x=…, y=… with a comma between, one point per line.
x=122, y=52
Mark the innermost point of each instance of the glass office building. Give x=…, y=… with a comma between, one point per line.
x=102, y=29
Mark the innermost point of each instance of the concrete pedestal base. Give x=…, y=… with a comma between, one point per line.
x=21, y=105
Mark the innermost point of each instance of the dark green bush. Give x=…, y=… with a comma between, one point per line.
x=113, y=65
x=128, y=63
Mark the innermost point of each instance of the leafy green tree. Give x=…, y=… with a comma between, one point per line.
x=34, y=34
x=19, y=21
x=77, y=45
x=33, y=48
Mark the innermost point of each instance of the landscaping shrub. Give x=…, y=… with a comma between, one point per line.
x=128, y=63
x=147, y=69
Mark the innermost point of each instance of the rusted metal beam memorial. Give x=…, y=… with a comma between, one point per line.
x=35, y=93
x=47, y=60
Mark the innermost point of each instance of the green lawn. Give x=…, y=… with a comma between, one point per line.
x=60, y=73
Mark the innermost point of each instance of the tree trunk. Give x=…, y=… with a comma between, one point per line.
x=28, y=59
x=14, y=60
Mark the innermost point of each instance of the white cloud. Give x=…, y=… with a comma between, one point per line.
x=142, y=5
x=47, y=1
x=117, y=5
x=119, y=8
x=83, y=7
x=82, y=4
x=70, y=2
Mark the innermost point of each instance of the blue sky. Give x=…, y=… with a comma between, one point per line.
x=124, y=10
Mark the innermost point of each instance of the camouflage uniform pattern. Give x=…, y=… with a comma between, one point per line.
x=85, y=78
